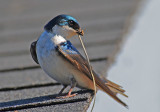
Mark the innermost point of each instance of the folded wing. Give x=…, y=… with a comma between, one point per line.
x=71, y=54
x=33, y=51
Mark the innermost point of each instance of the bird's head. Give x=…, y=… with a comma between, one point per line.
x=64, y=25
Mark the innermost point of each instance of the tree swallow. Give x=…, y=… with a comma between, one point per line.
x=63, y=62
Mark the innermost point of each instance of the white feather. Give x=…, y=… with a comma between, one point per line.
x=64, y=31
x=58, y=39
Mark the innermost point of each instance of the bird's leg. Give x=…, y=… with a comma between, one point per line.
x=73, y=84
x=64, y=87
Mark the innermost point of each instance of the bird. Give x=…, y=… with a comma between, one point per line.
x=59, y=59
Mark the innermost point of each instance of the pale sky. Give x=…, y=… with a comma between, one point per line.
x=137, y=67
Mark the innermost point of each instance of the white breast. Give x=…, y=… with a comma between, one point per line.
x=48, y=58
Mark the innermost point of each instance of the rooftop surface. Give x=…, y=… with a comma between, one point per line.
x=23, y=85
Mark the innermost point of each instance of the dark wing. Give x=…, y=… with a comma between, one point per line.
x=33, y=51
x=76, y=59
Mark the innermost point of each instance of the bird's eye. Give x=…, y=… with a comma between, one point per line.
x=71, y=22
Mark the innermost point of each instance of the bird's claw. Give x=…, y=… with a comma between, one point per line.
x=67, y=96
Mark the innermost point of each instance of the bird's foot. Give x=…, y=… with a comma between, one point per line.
x=73, y=84
x=67, y=96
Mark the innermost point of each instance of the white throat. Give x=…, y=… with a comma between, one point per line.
x=57, y=35
x=64, y=31
x=57, y=39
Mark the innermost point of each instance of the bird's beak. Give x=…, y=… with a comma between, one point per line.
x=80, y=32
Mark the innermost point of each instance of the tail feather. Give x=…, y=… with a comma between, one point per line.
x=111, y=89
x=117, y=89
x=112, y=83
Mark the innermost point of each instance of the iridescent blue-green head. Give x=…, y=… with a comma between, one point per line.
x=64, y=25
